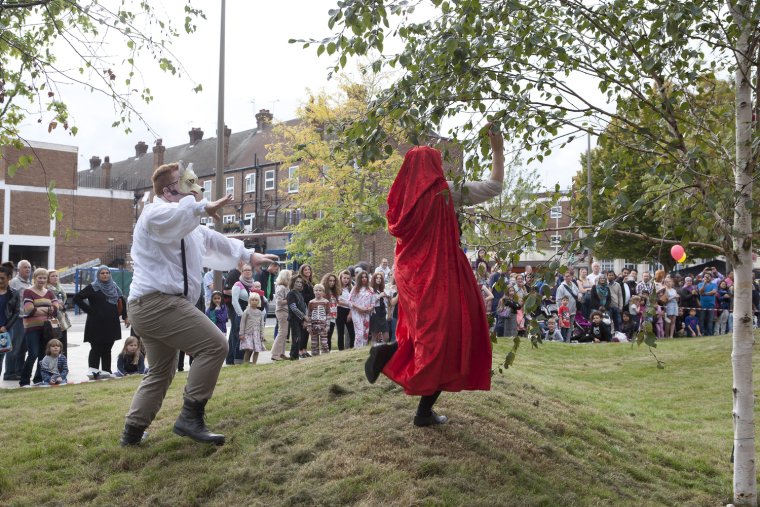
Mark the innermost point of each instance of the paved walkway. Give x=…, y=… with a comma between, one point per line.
x=78, y=351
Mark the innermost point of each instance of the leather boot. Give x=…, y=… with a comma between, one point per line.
x=132, y=435
x=378, y=358
x=190, y=424
x=430, y=420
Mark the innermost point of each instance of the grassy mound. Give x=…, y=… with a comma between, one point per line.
x=568, y=425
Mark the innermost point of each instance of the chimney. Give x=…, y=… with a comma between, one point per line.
x=262, y=119
x=227, y=134
x=105, y=177
x=158, y=154
x=140, y=149
x=196, y=134
x=94, y=162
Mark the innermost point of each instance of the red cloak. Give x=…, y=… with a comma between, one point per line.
x=442, y=330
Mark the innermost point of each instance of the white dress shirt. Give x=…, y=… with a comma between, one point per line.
x=479, y=191
x=156, y=249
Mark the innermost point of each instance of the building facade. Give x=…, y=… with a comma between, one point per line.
x=98, y=220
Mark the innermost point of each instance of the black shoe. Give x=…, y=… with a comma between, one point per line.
x=132, y=436
x=430, y=420
x=378, y=358
x=12, y=377
x=190, y=424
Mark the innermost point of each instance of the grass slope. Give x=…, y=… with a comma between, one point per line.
x=568, y=425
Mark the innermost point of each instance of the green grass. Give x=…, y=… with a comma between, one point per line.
x=568, y=425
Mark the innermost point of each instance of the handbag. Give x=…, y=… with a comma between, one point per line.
x=120, y=306
x=65, y=322
x=5, y=343
x=52, y=330
x=505, y=312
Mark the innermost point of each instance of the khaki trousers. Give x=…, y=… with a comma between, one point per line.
x=168, y=324
x=278, y=348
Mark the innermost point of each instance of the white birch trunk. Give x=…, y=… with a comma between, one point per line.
x=745, y=475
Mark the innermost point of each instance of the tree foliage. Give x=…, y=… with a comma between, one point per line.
x=342, y=199
x=37, y=41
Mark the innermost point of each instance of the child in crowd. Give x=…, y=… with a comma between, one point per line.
x=318, y=318
x=54, y=367
x=552, y=333
x=680, y=326
x=633, y=310
x=643, y=303
x=217, y=311
x=692, y=324
x=723, y=300
x=659, y=317
x=564, y=318
x=378, y=322
x=296, y=316
x=263, y=305
x=626, y=325
x=252, y=329
x=130, y=361
x=599, y=330
x=330, y=283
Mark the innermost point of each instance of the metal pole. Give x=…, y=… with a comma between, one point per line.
x=220, y=187
x=588, y=189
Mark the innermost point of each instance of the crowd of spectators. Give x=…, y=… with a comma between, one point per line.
x=608, y=306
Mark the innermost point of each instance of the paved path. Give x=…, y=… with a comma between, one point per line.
x=78, y=351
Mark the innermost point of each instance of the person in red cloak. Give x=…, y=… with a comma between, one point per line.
x=443, y=342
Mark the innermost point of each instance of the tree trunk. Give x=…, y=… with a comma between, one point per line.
x=745, y=475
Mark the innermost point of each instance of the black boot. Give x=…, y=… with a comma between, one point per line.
x=378, y=358
x=190, y=424
x=430, y=420
x=132, y=435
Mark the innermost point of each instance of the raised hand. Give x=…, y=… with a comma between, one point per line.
x=212, y=207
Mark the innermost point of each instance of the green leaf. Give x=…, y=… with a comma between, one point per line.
x=609, y=182
x=451, y=45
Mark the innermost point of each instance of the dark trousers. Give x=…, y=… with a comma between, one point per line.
x=615, y=315
x=234, y=355
x=586, y=309
x=426, y=404
x=100, y=356
x=706, y=317
x=14, y=360
x=329, y=336
x=181, y=361
x=35, y=344
x=393, y=329
x=342, y=323
x=296, y=332
x=65, y=343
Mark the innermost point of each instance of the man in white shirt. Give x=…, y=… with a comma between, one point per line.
x=597, y=270
x=169, y=252
x=385, y=270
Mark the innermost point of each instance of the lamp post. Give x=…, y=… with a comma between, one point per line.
x=220, y=187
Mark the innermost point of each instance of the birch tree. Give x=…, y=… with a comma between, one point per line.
x=549, y=71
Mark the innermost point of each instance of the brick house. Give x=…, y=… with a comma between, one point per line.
x=261, y=207
x=100, y=217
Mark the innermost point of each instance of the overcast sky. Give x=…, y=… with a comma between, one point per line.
x=261, y=66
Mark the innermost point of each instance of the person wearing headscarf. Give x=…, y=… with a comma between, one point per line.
x=103, y=303
x=600, y=295
x=443, y=341
x=689, y=295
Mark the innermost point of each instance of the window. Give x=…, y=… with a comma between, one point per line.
x=556, y=212
x=207, y=190
x=250, y=219
x=209, y=222
x=293, y=177
x=228, y=219
x=654, y=267
x=230, y=185
x=250, y=183
x=629, y=265
x=607, y=265
x=270, y=219
x=299, y=215
x=269, y=180
x=554, y=239
x=288, y=217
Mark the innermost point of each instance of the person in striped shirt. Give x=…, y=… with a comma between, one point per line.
x=40, y=304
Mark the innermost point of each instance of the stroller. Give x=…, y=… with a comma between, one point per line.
x=581, y=329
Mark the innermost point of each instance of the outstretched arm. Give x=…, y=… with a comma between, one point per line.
x=482, y=191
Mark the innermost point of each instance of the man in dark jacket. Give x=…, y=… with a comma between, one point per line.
x=9, y=308
x=267, y=279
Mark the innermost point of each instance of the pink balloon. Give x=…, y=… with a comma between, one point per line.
x=677, y=252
